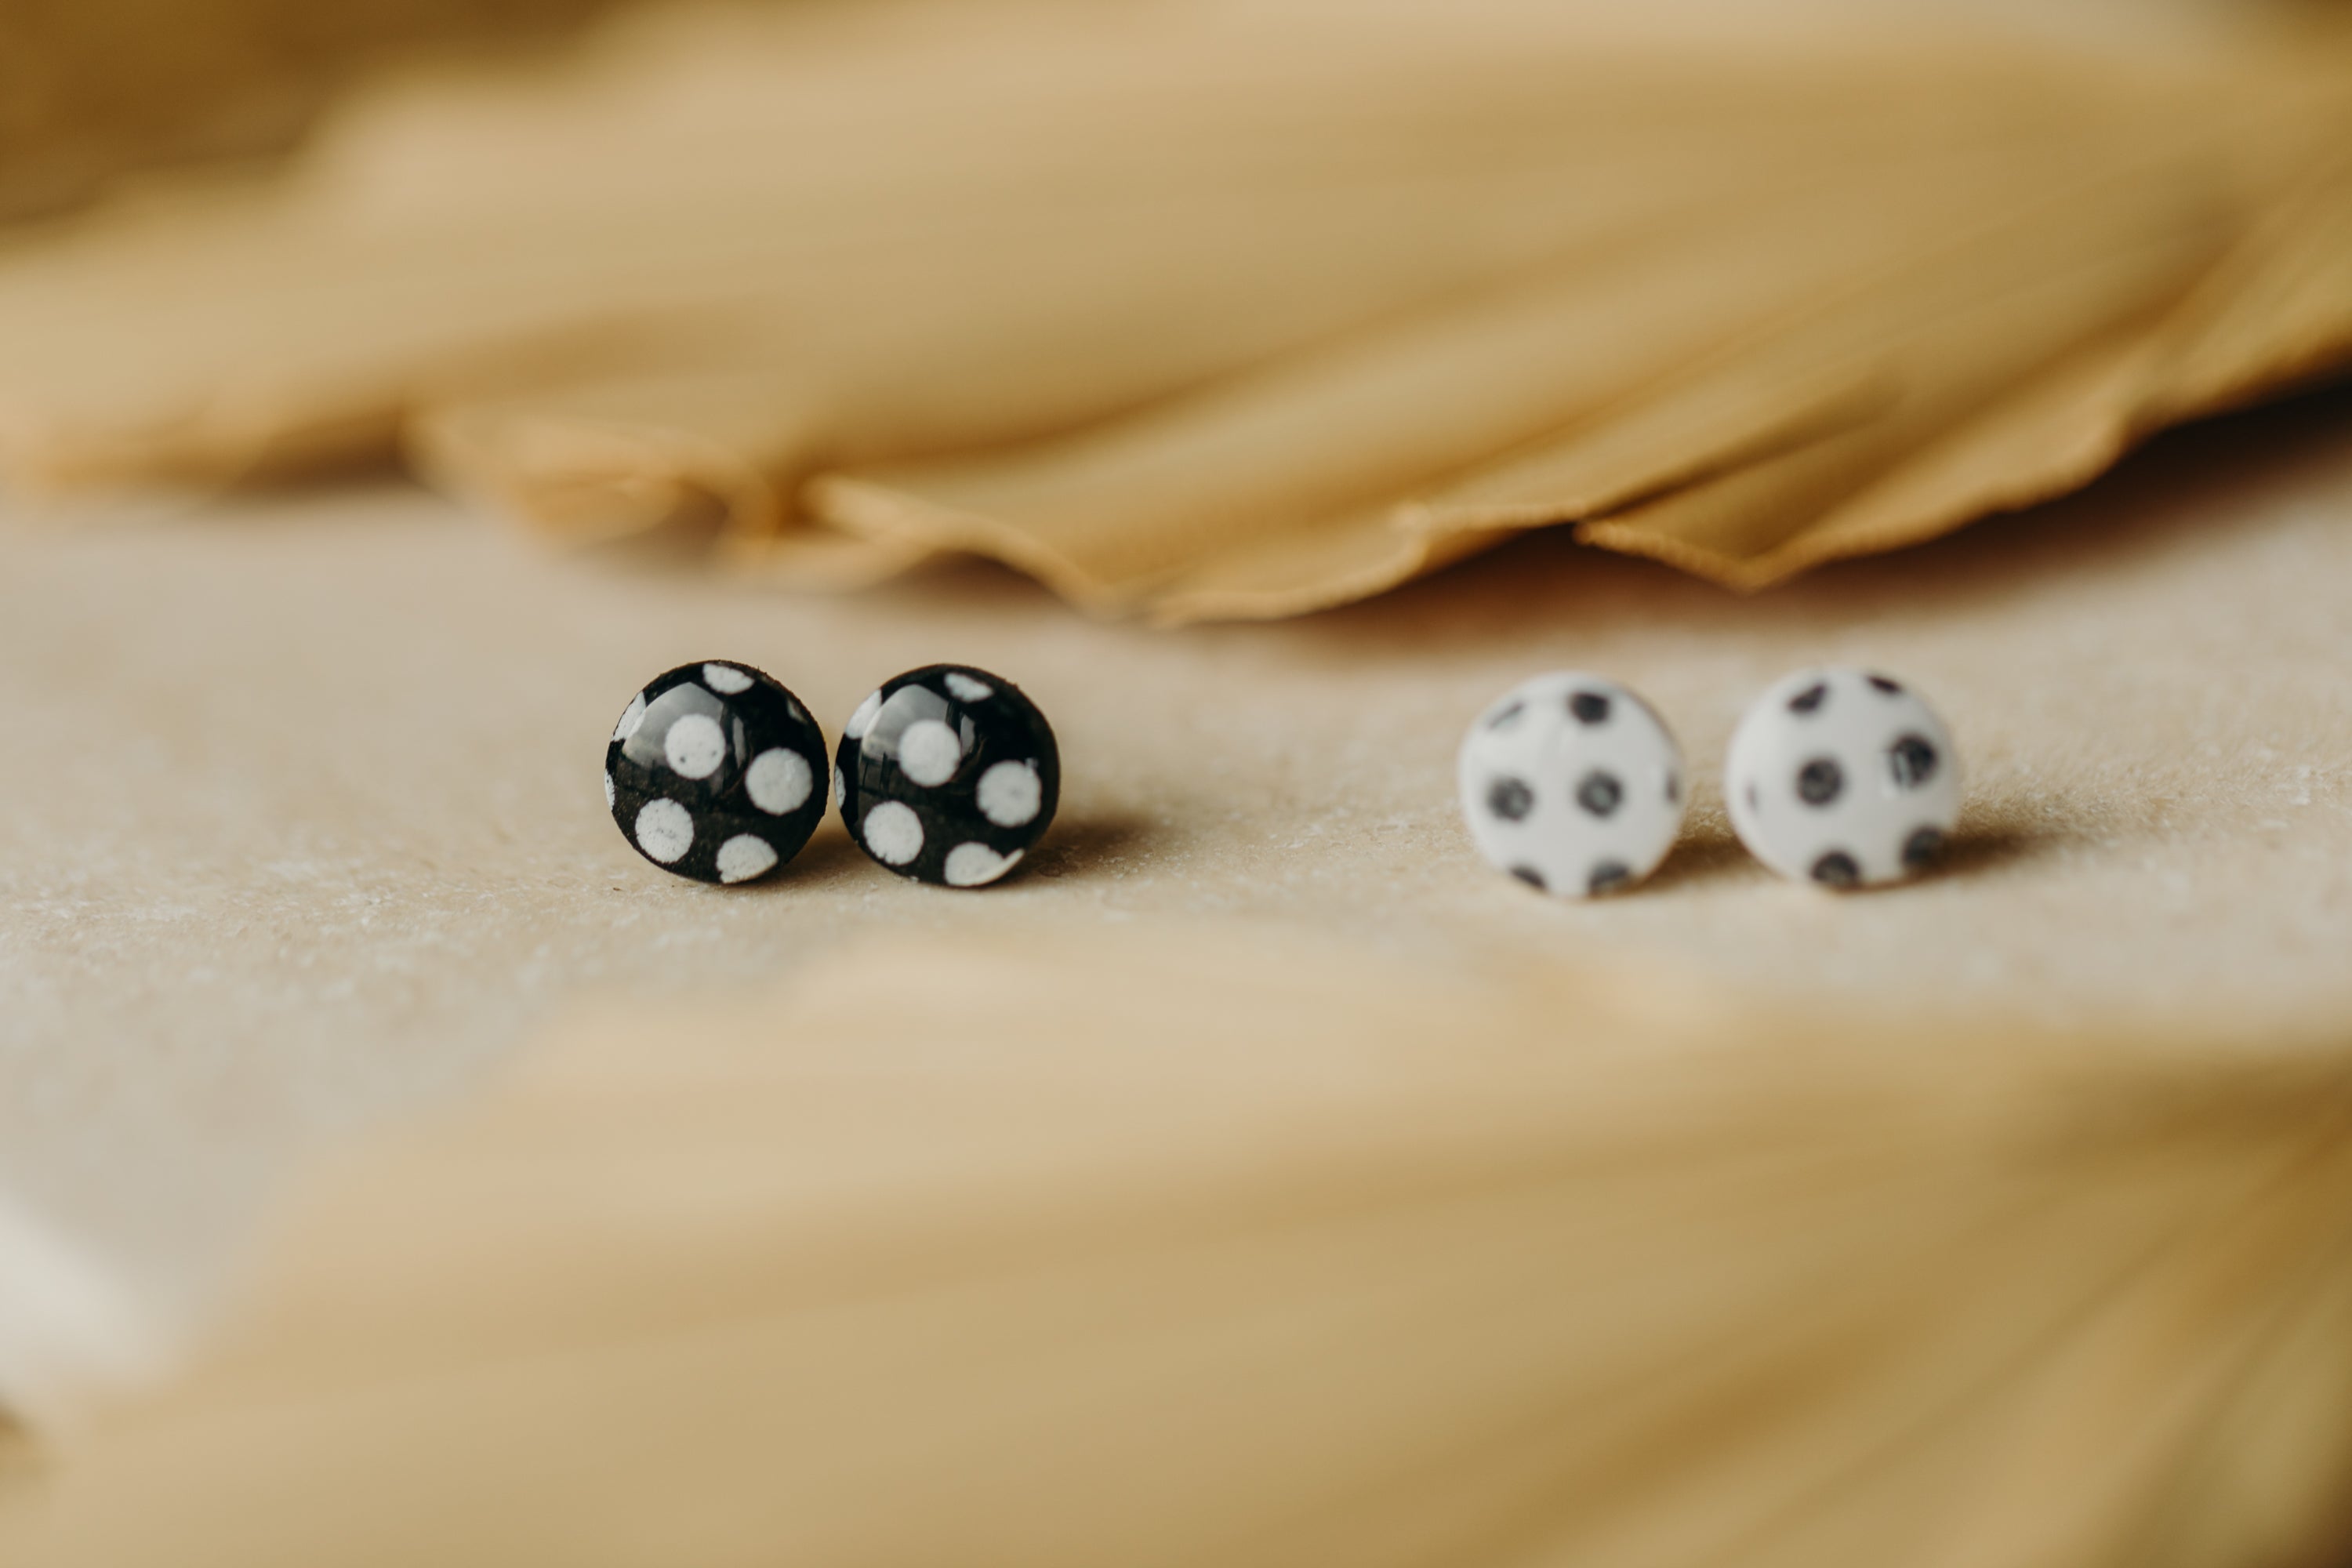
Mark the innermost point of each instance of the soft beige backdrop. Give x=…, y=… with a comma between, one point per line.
x=303, y=817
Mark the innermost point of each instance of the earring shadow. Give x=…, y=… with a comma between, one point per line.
x=1078, y=847
x=1087, y=846
x=1706, y=852
x=1970, y=851
x=1986, y=846
x=1709, y=851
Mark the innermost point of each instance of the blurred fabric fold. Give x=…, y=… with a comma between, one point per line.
x=1175, y=1246
x=1200, y=310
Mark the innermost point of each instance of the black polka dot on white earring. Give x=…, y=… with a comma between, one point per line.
x=716, y=772
x=1843, y=778
x=1571, y=784
x=947, y=774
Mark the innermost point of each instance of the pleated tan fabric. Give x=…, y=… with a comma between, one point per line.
x=1181, y=1246
x=1199, y=310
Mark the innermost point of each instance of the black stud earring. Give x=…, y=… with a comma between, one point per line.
x=947, y=774
x=715, y=772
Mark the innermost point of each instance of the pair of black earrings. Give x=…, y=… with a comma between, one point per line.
x=947, y=774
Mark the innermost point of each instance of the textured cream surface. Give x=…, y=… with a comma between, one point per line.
x=304, y=821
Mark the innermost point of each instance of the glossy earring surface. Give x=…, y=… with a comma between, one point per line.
x=947, y=774
x=716, y=772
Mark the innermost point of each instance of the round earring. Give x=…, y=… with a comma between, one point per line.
x=1573, y=784
x=715, y=773
x=1842, y=777
x=947, y=774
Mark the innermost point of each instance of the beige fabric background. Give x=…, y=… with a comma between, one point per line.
x=1199, y=310
x=303, y=821
x=301, y=828
x=91, y=89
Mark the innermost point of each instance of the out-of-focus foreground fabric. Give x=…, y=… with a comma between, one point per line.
x=1198, y=309
x=1247, y=1250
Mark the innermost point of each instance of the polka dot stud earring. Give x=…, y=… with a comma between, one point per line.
x=947, y=774
x=1571, y=784
x=1844, y=778
x=715, y=772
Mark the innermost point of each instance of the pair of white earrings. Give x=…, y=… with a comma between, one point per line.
x=1837, y=777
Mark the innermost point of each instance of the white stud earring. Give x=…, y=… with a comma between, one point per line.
x=1573, y=784
x=1842, y=777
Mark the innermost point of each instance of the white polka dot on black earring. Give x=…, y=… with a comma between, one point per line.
x=947, y=774
x=716, y=772
x=1842, y=777
x=1571, y=784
